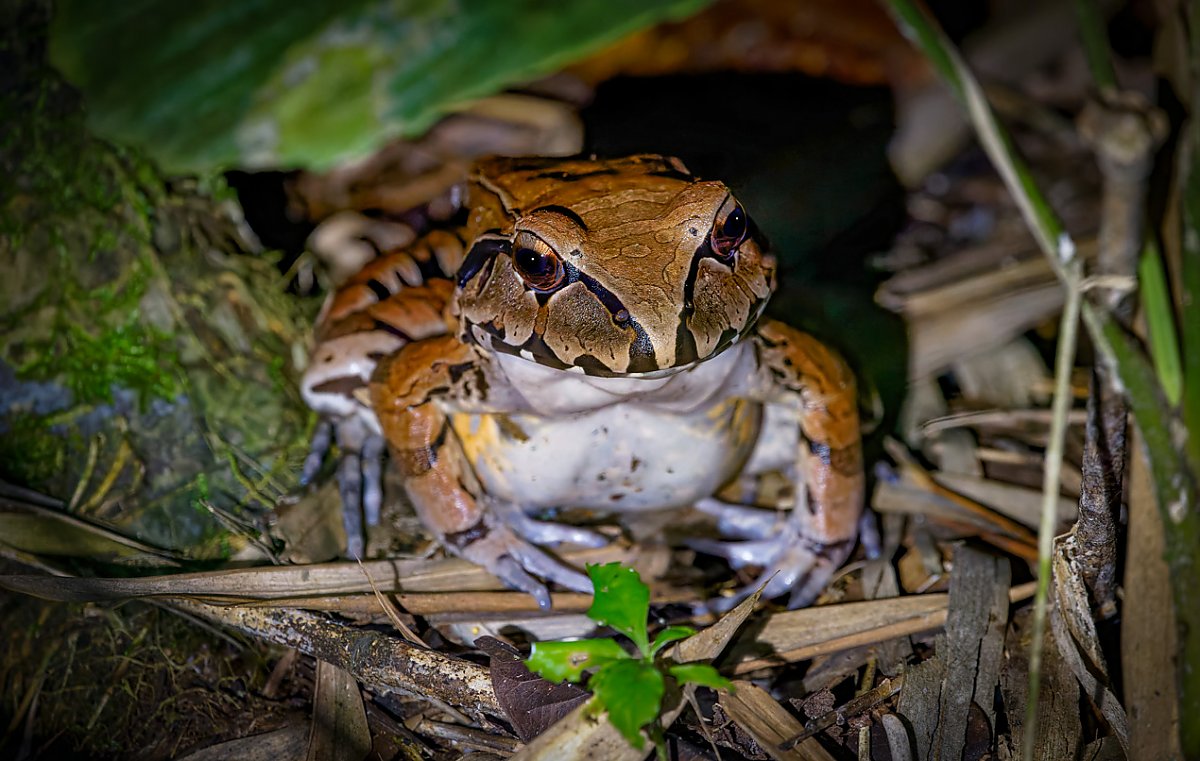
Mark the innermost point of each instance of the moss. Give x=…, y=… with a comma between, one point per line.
x=30, y=451
x=92, y=340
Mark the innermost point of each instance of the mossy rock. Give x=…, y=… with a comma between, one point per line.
x=149, y=355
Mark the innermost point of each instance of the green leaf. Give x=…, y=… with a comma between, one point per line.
x=284, y=83
x=699, y=673
x=670, y=634
x=1189, y=302
x=559, y=661
x=1164, y=341
x=631, y=691
x=621, y=601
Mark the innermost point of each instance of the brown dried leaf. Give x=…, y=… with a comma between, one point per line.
x=339, y=722
x=532, y=703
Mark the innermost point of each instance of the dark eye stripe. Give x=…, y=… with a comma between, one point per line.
x=484, y=250
x=686, y=351
x=642, y=358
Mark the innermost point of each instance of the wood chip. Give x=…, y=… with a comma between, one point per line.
x=940, y=694
x=920, y=703
x=1058, y=725
x=769, y=724
x=1148, y=639
x=973, y=643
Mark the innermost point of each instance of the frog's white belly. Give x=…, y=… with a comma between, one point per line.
x=622, y=457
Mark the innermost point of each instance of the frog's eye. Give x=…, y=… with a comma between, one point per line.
x=730, y=229
x=537, y=263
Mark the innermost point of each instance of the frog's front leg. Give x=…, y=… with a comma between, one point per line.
x=406, y=391
x=811, y=434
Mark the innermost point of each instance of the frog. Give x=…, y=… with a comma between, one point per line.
x=589, y=334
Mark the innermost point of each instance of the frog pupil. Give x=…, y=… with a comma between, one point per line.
x=541, y=269
x=534, y=263
x=734, y=226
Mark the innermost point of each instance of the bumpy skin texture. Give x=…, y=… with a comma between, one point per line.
x=599, y=347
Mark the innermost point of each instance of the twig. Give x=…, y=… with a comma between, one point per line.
x=467, y=737
x=1100, y=493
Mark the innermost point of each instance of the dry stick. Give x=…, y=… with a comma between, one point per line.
x=371, y=657
x=1124, y=131
x=1100, y=492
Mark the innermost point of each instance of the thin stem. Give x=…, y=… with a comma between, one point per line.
x=1095, y=45
x=1064, y=360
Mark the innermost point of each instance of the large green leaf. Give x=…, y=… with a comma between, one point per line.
x=257, y=83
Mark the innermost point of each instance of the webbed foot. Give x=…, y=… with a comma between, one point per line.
x=546, y=532
x=359, y=474
x=793, y=562
x=520, y=564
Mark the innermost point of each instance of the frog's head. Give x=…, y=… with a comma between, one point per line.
x=614, y=267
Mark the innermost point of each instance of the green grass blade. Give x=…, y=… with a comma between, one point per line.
x=1095, y=44
x=1160, y=318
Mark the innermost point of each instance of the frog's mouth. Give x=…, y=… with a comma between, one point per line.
x=586, y=365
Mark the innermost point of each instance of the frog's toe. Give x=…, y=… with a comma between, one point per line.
x=515, y=577
x=349, y=481
x=317, y=449
x=520, y=564
x=741, y=521
x=801, y=573
x=792, y=564
x=547, y=532
x=372, y=478
x=360, y=486
x=739, y=554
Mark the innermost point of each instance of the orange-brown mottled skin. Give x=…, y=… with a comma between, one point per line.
x=607, y=312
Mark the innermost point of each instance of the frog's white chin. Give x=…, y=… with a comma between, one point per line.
x=550, y=390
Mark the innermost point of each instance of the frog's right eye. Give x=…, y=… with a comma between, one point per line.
x=537, y=263
x=730, y=229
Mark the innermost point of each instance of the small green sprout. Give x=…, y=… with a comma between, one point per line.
x=629, y=687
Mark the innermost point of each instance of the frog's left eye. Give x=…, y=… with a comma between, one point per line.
x=537, y=263
x=730, y=229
